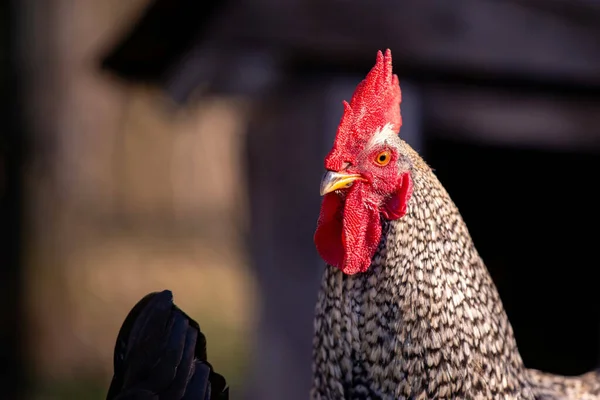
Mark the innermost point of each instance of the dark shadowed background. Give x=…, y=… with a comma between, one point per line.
x=179, y=144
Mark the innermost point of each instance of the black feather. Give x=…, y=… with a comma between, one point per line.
x=160, y=354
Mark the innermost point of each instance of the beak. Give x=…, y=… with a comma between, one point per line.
x=335, y=180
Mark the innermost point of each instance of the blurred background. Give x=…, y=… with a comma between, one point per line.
x=179, y=144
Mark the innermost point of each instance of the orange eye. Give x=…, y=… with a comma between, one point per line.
x=383, y=158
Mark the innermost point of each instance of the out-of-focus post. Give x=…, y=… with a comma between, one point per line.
x=12, y=136
x=287, y=140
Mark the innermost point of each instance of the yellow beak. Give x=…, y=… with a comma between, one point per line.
x=335, y=180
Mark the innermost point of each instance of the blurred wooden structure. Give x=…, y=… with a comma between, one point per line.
x=123, y=195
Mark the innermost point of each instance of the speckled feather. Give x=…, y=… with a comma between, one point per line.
x=425, y=321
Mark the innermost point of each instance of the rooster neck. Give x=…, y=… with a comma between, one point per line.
x=425, y=319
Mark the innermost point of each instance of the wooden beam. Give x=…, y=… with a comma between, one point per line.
x=511, y=118
x=474, y=36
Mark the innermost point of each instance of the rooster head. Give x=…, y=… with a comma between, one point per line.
x=367, y=175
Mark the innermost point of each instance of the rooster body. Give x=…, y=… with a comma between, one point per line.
x=418, y=315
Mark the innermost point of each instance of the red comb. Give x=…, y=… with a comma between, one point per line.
x=375, y=103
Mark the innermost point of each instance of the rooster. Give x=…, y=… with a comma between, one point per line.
x=160, y=354
x=407, y=308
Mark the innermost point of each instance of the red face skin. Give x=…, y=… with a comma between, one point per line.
x=349, y=227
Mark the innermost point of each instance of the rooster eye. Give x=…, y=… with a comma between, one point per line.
x=383, y=158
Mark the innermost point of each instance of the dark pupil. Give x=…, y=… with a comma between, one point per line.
x=382, y=158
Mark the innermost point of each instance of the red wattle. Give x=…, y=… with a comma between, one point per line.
x=349, y=230
x=328, y=237
x=361, y=232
